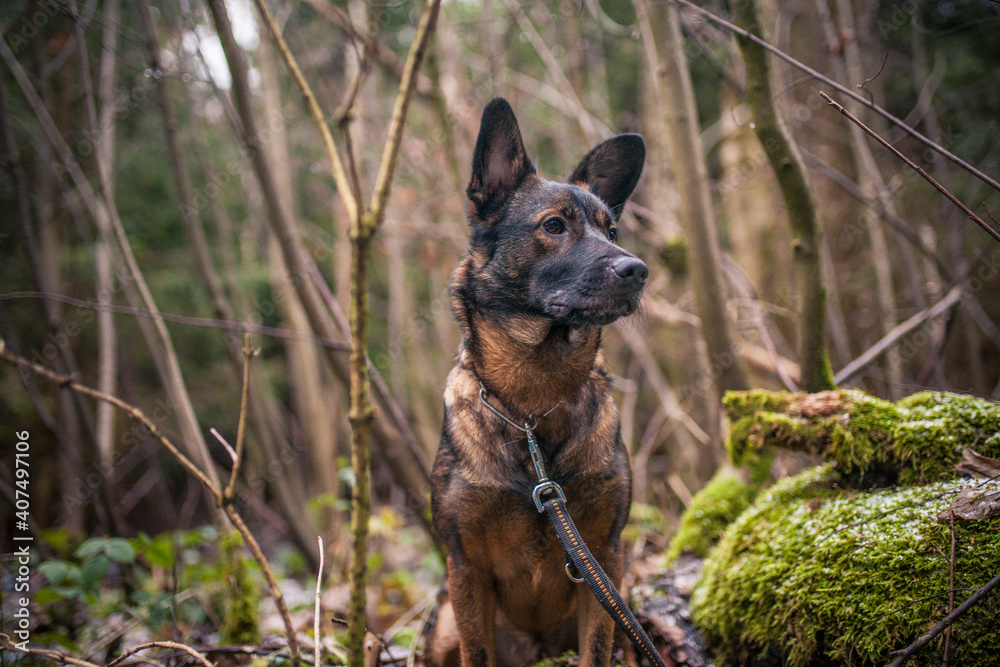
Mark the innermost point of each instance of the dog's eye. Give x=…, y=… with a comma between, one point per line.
x=554, y=226
x=613, y=234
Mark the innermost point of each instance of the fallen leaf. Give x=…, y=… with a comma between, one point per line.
x=975, y=464
x=975, y=503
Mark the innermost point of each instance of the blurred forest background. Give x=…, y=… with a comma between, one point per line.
x=126, y=192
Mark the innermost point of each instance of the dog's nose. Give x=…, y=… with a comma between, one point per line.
x=630, y=269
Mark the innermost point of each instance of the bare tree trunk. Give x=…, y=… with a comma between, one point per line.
x=846, y=68
x=46, y=269
x=408, y=471
x=752, y=203
x=107, y=349
x=310, y=394
x=787, y=164
x=104, y=211
x=284, y=484
x=660, y=26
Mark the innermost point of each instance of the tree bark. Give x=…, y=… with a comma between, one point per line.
x=310, y=395
x=787, y=164
x=846, y=66
x=660, y=25
x=285, y=484
x=107, y=354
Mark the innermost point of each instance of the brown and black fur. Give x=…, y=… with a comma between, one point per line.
x=541, y=277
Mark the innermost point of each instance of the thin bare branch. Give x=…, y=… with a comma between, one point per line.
x=317, y=639
x=230, y=511
x=847, y=91
x=265, y=566
x=410, y=473
x=135, y=413
x=587, y=124
x=898, y=224
x=946, y=303
x=241, y=430
x=336, y=166
x=387, y=166
x=913, y=165
x=861, y=86
x=386, y=56
x=371, y=43
x=225, y=443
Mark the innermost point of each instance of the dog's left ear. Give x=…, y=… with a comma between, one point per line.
x=612, y=168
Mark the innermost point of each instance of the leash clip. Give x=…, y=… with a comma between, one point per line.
x=543, y=486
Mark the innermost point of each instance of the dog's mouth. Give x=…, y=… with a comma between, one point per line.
x=592, y=314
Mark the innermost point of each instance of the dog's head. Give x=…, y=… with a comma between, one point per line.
x=548, y=249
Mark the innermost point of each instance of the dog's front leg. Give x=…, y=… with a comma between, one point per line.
x=595, y=628
x=474, y=603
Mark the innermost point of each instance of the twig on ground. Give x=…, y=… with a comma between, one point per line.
x=913, y=165
x=163, y=644
x=951, y=584
x=57, y=656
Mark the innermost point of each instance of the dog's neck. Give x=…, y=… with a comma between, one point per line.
x=529, y=364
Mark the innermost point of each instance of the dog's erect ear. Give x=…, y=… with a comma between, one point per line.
x=612, y=168
x=499, y=163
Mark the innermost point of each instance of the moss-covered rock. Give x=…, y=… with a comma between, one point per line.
x=814, y=574
x=839, y=565
x=916, y=440
x=712, y=509
x=937, y=426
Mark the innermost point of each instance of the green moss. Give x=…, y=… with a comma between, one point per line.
x=567, y=659
x=938, y=425
x=919, y=439
x=739, y=404
x=241, y=612
x=811, y=573
x=712, y=509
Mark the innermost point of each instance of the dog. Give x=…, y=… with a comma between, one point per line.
x=543, y=274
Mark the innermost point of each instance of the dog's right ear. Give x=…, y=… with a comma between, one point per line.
x=499, y=163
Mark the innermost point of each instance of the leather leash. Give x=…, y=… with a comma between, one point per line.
x=577, y=552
